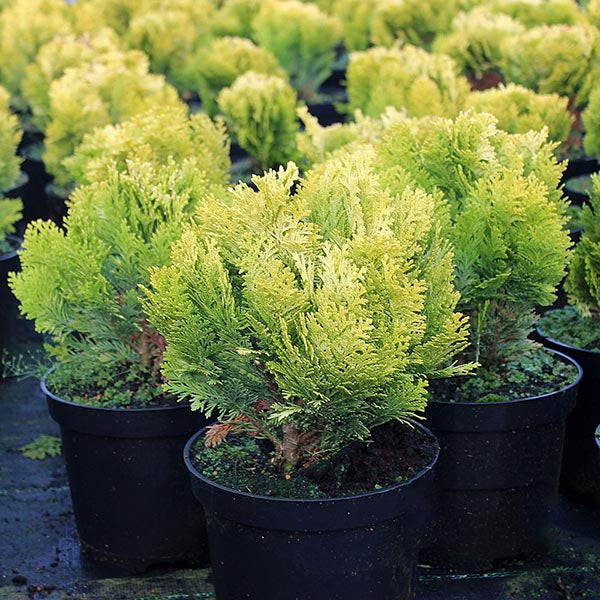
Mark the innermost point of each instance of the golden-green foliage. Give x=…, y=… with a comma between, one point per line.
x=117, y=14
x=503, y=217
x=309, y=320
x=519, y=109
x=553, y=59
x=539, y=12
x=591, y=123
x=51, y=62
x=25, y=26
x=113, y=88
x=10, y=213
x=356, y=17
x=143, y=138
x=170, y=33
x=476, y=39
x=80, y=284
x=217, y=66
x=10, y=136
x=592, y=12
x=405, y=78
x=411, y=21
x=303, y=39
x=260, y=110
x=234, y=18
x=583, y=282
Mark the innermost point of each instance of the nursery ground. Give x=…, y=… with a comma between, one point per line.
x=40, y=555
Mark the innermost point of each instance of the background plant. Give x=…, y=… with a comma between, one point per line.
x=25, y=26
x=113, y=88
x=10, y=213
x=591, y=123
x=539, y=12
x=302, y=38
x=143, y=138
x=556, y=59
x=308, y=320
x=10, y=137
x=218, y=65
x=53, y=59
x=476, y=40
x=260, y=110
x=519, y=110
x=80, y=284
x=405, y=78
x=356, y=17
x=234, y=18
x=411, y=21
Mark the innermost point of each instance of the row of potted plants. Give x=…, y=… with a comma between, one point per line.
x=310, y=316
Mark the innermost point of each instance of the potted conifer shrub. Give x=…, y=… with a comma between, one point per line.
x=309, y=324
x=260, y=112
x=304, y=40
x=405, y=78
x=501, y=431
x=122, y=434
x=574, y=330
x=219, y=64
x=10, y=213
x=12, y=179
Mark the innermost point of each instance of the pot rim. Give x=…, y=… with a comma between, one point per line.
x=584, y=351
x=12, y=253
x=598, y=436
x=106, y=410
x=514, y=401
x=308, y=501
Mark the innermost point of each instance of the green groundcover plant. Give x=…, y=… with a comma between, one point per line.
x=218, y=65
x=80, y=284
x=51, y=62
x=260, y=110
x=143, y=138
x=302, y=38
x=557, y=59
x=10, y=137
x=114, y=87
x=578, y=324
x=518, y=110
x=476, y=39
x=499, y=207
x=407, y=78
x=411, y=21
x=306, y=321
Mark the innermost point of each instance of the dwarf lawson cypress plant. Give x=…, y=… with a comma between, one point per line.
x=10, y=213
x=143, y=138
x=260, y=110
x=234, y=18
x=518, y=110
x=80, y=284
x=114, y=87
x=219, y=64
x=51, y=62
x=476, y=40
x=553, y=59
x=10, y=136
x=302, y=38
x=356, y=17
x=411, y=21
x=539, y=12
x=591, y=122
x=308, y=321
x=508, y=230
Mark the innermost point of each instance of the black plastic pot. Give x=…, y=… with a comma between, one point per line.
x=131, y=493
x=576, y=197
x=580, y=166
x=580, y=471
x=361, y=547
x=8, y=304
x=56, y=199
x=597, y=438
x=35, y=201
x=498, y=476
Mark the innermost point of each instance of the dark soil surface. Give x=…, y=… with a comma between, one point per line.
x=397, y=452
x=41, y=558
